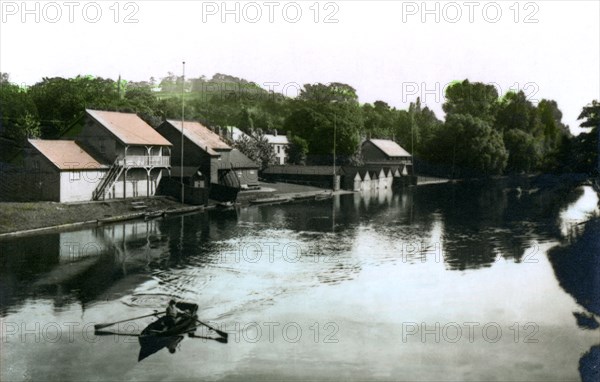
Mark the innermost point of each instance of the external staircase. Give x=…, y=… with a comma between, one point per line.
x=109, y=179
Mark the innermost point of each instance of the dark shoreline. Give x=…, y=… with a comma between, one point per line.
x=36, y=217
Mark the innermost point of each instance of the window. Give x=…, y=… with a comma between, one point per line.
x=74, y=176
x=278, y=149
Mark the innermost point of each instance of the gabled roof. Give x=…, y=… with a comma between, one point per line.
x=128, y=128
x=237, y=133
x=389, y=148
x=66, y=155
x=238, y=160
x=201, y=136
x=277, y=139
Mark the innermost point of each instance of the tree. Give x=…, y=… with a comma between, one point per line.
x=379, y=120
x=472, y=144
x=553, y=132
x=322, y=111
x=427, y=126
x=467, y=138
x=586, y=146
x=476, y=99
x=515, y=111
x=19, y=118
x=524, y=152
x=256, y=147
x=61, y=102
x=297, y=150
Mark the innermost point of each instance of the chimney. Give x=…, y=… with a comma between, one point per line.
x=275, y=132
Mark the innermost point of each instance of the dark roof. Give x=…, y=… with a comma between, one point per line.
x=128, y=128
x=237, y=159
x=389, y=148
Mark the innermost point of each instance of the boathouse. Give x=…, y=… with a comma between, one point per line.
x=135, y=153
x=378, y=153
x=61, y=171
x=205, y=150
x=116, y=155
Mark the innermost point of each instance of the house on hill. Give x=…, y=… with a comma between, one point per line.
x=205, y=150
x=280, y=145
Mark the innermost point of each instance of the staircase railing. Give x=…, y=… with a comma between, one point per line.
x=109, y=179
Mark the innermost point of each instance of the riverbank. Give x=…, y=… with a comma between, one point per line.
x=22, y=218
x=281, y=192
x=36, y=217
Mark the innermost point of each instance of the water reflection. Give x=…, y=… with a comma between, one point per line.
x=395, y=255
x=467, y=226
x=78, y=264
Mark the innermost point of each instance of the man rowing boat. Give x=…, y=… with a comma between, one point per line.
x=173, y=313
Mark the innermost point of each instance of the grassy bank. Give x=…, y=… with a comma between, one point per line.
x=26, y=216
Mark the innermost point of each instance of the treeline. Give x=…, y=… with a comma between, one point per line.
x=483, y=133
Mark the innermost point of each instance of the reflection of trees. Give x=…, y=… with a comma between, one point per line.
x=577, y=267
x=482, y=219
x=588, y=365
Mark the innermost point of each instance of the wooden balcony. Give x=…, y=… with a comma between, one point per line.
x=145, y=161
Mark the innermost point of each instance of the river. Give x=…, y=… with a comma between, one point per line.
x=441, y=282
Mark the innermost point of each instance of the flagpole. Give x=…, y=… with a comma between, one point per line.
x=182, y=123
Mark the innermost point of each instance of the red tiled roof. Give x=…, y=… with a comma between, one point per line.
x=201, y=136
x=128, y=128
x=390, y=148
x=66, y=155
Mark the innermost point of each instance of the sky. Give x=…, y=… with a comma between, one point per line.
x=394, y=51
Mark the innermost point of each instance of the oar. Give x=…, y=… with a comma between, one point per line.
x=219, y=332
x=219, y=339
x=104, y=333
x=102, y=326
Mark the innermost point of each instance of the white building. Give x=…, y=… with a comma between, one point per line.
x=64, y=171
x=280, y=146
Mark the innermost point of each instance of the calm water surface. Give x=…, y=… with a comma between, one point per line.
x=441, y=282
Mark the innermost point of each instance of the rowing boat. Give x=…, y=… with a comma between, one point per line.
x=160, y=334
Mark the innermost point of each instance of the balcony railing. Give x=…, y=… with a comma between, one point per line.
x=146, y=161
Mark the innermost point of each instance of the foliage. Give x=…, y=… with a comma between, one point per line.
x=256, y=147
x=476, y=99
x=471, y=143
x=322, y=112
x=19, y=118
x=524, y=152
x=297, y=150
x=585, y=147
x=481, y=134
